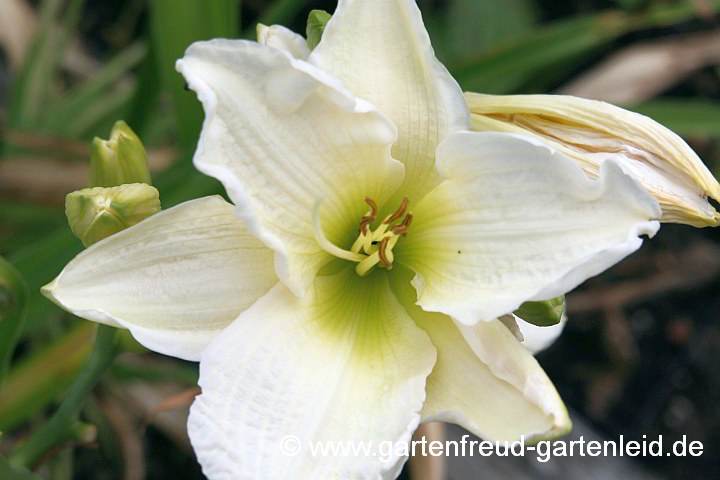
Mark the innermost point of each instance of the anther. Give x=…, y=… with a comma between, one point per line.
x=370, y=217
x=383, y=254
x=399, y=212
x=403, y=228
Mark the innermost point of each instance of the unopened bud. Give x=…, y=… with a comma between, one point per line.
x=98, y=212
x=316, y=26
x=542, y=314
x=590, y=132
x=121, y=159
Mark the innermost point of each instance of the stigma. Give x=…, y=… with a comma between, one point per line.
x=373, y=246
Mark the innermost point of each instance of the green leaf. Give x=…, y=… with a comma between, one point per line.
x=542, y=314
x=483, y=24
x=174, y=26
x=507, y=67
x=40, y=379
x=32, y=88
x=510, y=65
x=690, y=117
x=11, y=472
x=13, y=300
x=90, y=103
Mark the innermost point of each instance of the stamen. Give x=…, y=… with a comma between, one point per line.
x=403, y=228
x=326, y=244
x=382, y=254
x=399, y=212
x=376, y=245
x=370, y=217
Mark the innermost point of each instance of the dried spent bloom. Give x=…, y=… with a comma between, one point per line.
x=590, y=132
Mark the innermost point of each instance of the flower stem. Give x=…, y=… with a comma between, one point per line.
x=60, y=427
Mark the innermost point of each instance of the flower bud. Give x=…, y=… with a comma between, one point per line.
x=316, y=26
x=121, y=159
x=590, y=131
x=98, y=212
x=542, y=314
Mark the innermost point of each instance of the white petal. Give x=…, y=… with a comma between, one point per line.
x=281, y=135
x=174, y=280
x=490, y=385
x=515, y=221
x=345, y=363
x=283, y=38
x=381, y=51
x=537, y=339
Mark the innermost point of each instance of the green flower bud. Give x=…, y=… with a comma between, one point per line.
x=316, y=26
x=542, y=314
x=121, y=159
x=98, y=212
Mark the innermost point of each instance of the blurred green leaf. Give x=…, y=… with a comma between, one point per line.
x=279, y=11
x=13, y=309
x=631, y=4
x=39, y=262
x=40, y=379
x=477, y=25
x=90, y=103
x=11, y=472
x=174, y=26
x=23, y=223
x=506, y=68
x=512, y=64
x=31, y=90
x=691, y=117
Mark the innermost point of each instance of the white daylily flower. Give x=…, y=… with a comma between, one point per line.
x=317, y=154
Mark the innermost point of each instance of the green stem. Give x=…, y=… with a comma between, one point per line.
x=60, y=427
x=13, y=302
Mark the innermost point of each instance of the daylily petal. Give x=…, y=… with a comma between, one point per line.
x=381, y=51
x=589, y=132
x=489, y=384
x=283, y=38
x=174, y=280
x=282, y=135
x=537, y=339
x=345, y=363
x=516, y=221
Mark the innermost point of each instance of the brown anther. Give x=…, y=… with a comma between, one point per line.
x=407, y=221
x=381, y=253
x=373, y=206
x=399, y=212
x=365, y=223
x=370, y=217
x=402, y=229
